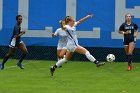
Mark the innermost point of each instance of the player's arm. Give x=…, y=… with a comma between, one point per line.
x=137, y=30
x=83, y=19
x=136, y=33
x=16, y=32
x=21, y=33
x=121, y=30
x=55, y=34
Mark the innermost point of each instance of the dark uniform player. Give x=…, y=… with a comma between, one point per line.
x=130, y=32
x=16, y=43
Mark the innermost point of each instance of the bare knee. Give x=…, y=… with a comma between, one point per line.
x=61, y=55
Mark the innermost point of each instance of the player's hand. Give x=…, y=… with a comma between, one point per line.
x=89, y=16
x=23, y=32
x=127, y=32
x=53, y=35
x=15, y=36
x=135, y=35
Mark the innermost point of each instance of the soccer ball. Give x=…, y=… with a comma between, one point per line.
x=110, y=58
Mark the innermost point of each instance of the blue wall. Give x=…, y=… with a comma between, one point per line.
x=47, y=13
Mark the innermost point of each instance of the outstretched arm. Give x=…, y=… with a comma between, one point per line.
x=83, y=19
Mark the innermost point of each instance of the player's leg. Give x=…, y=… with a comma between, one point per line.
x=7, y=56
x=130, y=53
x=58, y=53
x=63, y=53
x=126, y=48
x=84, y=51
x=24, y=50
x=60, y=62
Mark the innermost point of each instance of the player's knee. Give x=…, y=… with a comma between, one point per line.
x=87, y=53
x=61, y=55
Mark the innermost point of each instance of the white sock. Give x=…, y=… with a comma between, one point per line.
x=90, y=57
x=60, y=62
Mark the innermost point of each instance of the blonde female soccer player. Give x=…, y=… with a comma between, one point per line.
x=72, y=44
x=130, y=32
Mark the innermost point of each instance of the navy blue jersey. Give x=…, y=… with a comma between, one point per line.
x=16, y=31
x=128, y=27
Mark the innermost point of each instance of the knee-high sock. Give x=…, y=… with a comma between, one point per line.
x=60, y=62
x=90, y=57
x=129, y=60
x=22, y=57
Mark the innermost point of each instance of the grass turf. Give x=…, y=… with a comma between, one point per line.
x=73, y=77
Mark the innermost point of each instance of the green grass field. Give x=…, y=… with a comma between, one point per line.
x=73, y=77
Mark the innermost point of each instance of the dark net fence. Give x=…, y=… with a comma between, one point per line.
x=49, y=53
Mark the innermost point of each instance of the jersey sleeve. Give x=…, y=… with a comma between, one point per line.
x=121, y=27
x=135, y=26
x=56, y=32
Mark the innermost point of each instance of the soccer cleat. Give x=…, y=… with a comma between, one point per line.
x=98, y=64
x=20, y=65
x=1, y=66
x=52, y=69
x=129, y=68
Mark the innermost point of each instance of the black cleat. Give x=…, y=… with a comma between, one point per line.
x=52, y=69
x=100, y=64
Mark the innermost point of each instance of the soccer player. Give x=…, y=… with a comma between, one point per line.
x=61, y=47
x=16, y=43
x=130, y=31
x=72, y=44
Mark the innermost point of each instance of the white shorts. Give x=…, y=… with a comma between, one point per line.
x=71, y=47
x=61, y=46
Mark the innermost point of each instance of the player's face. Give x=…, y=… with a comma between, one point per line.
x=19, y=20
x=72, y=22
x=128, y=18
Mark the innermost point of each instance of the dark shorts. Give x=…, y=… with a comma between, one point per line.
x=126, y=42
